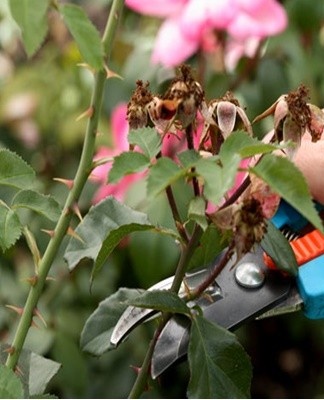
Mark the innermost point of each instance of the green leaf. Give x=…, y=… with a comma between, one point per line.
x=41, y=204
x=30, y=15
x=127, y=163
x=116, y=234
x=219, y=366
x=196, y=212
x=41, y=371
x=278, y=248
x=163, y=174
x=10, y=385
x=74, y=374
x=212, y=242
x=218, y=176
x=14, y=171
x=189, y=158
x=36, y=371
x=287, y=180
x=246, y=146
x=161, y=300
x=10, y=227
x=102, y=229
x=147, y=139
x=96, y=333
x=85, y=34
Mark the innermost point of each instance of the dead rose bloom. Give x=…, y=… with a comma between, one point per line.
x=293, y=116
x=246, y=220
x=247, y=217
x=173, y=111
x=223, y=116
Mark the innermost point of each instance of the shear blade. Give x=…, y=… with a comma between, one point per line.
x=236, y=305
x=133, y=316
x=171, y=346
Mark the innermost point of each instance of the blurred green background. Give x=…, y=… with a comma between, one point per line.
x=40, y=99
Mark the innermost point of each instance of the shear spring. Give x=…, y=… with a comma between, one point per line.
x=289, y=234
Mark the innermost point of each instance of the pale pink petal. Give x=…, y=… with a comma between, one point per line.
x=118, y=190
x=173, y=144
x=200, y=16
x=234, y=51
x=237, y=49
x=158, y=8
x=193, y=19
x=221, y=13
x=250, y=46
x=99, y=174
x=120, y=127
x=171, y=46
x=258, y=18
x=210, y=43
x=103, y=192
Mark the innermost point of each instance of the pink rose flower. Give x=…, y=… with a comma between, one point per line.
x=120, y=129
x=189, y=26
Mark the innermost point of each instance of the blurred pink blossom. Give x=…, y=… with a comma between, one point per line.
x=189, y=25
x=172, y=145
x=119, y=127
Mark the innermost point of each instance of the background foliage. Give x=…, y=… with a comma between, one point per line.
x=40, y=99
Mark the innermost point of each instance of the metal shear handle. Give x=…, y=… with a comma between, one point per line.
x=241, y=299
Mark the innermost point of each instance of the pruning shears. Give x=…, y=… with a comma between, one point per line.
x=255, y=288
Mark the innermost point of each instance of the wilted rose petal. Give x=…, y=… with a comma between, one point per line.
x=172, y=47
x=226, y=117
x=158, y=8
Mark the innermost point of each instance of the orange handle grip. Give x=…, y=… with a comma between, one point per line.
x=305, y=248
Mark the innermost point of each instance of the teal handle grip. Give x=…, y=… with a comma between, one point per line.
x=286, y=215
x=310, y=282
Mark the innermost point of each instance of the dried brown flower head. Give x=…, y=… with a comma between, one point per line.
x=293, y=116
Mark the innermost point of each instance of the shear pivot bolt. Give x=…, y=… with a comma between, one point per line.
x=249, y=275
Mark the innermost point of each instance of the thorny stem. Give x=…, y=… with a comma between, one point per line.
x=82, y=174
x=213, y=275
x=186, y=254
x=238, y=192
x=185, y=257
x=189, y=136
x=175, y=211
x=176, y=215
x=188, y=247
x=144, y=372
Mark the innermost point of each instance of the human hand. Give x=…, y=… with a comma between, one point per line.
x=310, y=160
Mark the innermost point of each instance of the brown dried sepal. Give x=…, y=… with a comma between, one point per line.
x=249, y=225
x=137, y=114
